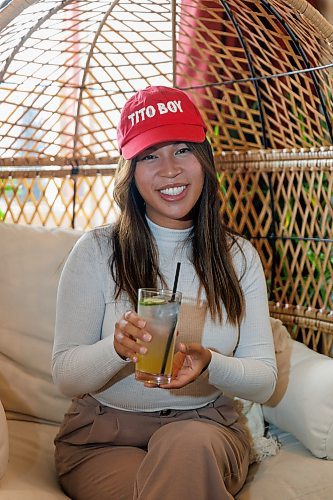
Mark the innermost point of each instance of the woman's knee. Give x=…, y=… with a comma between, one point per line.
x=186, y=434
x=108, y=474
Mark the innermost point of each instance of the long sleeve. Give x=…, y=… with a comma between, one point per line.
x=82, y=360
x=251, y=372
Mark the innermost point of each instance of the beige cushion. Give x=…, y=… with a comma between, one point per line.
x=31, y=474
x=252, y=413
x=31, y=261
x=302, y=403
x=294, y=473
x=3, y=442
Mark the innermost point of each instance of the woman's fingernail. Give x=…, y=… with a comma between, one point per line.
x=143, y=350
x=147, y=337
x=141, y=323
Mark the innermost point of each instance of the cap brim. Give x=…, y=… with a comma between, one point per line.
x=164, y=133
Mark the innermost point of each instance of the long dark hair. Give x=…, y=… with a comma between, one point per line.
x=134, y=260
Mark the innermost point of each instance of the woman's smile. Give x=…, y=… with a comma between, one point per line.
x=170, y=180
x=173, y=192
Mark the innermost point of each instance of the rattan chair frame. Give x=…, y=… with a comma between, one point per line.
x=261, y=73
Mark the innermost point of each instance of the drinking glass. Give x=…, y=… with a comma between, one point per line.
x=160, y=308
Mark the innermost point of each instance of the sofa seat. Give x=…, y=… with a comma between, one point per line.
x=32, y=259
x=30, y=474
x=293, y=473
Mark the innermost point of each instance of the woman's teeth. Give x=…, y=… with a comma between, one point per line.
x=173, y=191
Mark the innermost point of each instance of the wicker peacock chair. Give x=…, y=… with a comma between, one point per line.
x=261, y=72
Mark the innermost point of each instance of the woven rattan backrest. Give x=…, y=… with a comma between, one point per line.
x=261, y=73
x=257, y=102
x=286, y=211
x=284, y=203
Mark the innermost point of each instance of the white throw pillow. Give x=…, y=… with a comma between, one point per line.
x=31, y=262
x=4, y=448
x=262, y=444
x=302, y=403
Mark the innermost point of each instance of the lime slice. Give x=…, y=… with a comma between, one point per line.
x=152, y=301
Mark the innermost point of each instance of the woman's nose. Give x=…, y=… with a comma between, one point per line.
x=170, y=168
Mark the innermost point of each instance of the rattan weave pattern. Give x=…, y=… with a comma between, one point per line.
x=297, y=264
x=54, y=199
x=260, y=70
x=262, y=98
x=67, y=67
x=287, y=213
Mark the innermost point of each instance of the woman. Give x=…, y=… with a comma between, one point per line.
x=121, y=439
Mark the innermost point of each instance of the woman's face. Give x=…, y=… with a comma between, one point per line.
x=170, y=180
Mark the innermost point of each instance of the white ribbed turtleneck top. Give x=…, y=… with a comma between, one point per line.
x=85, y=361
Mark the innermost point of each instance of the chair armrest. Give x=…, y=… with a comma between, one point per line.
x=4, y=446
x=302, y=402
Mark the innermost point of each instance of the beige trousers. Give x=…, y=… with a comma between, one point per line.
x=103, y=453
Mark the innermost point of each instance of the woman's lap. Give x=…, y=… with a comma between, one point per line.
x=195, y=456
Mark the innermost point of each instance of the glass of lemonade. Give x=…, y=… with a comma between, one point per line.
x=160, y=309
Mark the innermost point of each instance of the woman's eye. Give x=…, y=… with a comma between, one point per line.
x=182, y=151
x=147, y=157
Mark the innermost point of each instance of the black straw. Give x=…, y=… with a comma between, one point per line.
x=171, y=332
x=175, y=283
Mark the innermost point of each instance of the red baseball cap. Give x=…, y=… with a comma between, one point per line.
x=158, y=114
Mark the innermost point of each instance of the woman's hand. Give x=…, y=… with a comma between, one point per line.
x=189, y=362
x=127, y=330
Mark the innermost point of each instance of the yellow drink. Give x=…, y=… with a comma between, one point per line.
x=160, y=313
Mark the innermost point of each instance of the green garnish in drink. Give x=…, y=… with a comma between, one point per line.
x=152, y=301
